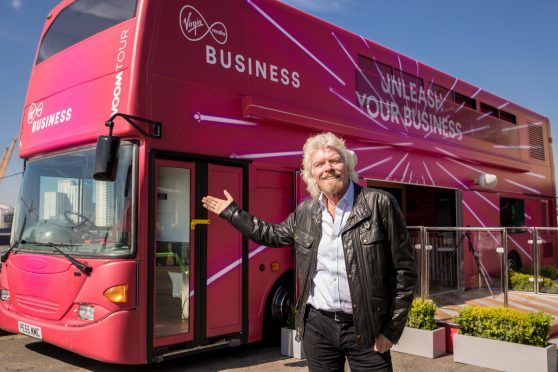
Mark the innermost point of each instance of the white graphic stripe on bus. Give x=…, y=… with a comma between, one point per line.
x=428, y=172
x=503, y=105
x=364, y=41
x=522, y=186
x=371, y=148
x=445, y=152
x=266, y=155
x=536, y=175
x=297, y=43
x=452, y=176
x=459, y=108
x=477, y=92
x=216, y=119
x=410, y=177
x=476, y=129
x=356, y=108
x=526, y=147
x=375, y=164
x=484, y=115
x=487, y=200
x=447, y=94
x=516, y=127
x=405, y=172
x=230, y=267
x=465, y=165
x=397, y=166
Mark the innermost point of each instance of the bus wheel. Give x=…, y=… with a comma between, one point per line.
x=514, y=262
x=279, y=303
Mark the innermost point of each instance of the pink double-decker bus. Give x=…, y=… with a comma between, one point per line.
x=136, y=109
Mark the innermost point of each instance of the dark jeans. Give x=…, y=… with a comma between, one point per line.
x=328, y=342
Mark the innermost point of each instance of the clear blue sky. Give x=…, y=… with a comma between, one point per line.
x=508, y=47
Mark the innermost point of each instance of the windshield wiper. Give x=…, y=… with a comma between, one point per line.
x=84, y=267
x=7, y=253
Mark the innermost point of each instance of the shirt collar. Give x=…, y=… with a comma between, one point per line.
x=347, y=199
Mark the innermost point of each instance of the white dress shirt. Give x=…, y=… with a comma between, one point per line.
x=330, y=287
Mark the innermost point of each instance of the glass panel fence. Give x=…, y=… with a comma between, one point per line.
x=416, y=242
x=520, y=259
x=464, y=266
x=546, y=260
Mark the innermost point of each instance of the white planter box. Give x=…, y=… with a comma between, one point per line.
x=503, y=356
x=289, y=346
x=430, y=344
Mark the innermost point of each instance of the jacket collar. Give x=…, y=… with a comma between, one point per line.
x=361, y=210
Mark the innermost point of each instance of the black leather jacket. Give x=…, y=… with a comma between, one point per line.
x=378, y=256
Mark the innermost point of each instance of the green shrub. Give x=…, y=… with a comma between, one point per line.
x=421, y=314
x=520, y=282
x=505, y=324
x=550, y=272
x=546, y=271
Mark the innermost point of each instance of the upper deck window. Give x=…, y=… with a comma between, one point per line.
x=82, y=19
x=461, y=99
x=504, y=115
x=374, y=67
x=490, y=110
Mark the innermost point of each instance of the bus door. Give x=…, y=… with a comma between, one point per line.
x=198, y=259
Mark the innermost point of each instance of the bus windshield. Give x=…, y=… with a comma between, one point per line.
x=60, y=203
x=82, y=19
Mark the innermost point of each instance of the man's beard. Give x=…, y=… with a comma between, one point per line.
x=333, y=186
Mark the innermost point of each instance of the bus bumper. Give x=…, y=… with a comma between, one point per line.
x=113, y=339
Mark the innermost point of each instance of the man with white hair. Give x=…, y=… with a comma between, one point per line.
x=354, y=260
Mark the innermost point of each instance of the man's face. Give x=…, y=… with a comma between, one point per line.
x=329, y=172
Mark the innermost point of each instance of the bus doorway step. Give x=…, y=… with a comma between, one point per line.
x=225, y=344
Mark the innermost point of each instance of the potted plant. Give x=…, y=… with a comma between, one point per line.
x=289, y=346
x=504, y=339
x=421, y=335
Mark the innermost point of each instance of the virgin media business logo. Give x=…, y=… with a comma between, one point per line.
x=194, y=26
x=35, y=111
x=39, y=122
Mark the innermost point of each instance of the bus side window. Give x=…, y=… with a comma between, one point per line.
x=512, y=214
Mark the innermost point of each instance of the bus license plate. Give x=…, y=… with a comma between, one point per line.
x=29, y=330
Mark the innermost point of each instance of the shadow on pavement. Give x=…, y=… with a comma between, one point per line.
x=241, y=357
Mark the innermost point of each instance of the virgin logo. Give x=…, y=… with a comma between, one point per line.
x=35, y=111
x=194, y=27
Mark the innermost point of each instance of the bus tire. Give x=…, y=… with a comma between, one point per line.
x=514, y=261
x=278, y=307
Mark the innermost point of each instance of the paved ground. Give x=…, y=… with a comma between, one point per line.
x=21, y=353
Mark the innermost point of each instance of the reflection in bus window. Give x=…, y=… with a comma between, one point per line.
x=173, y=251
x=61, y=203
x=82, y=19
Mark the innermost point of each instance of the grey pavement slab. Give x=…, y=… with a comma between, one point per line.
x=21, y=353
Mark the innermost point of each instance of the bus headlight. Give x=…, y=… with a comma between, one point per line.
x=117, y=294
x=86, y=312
x=4, y=294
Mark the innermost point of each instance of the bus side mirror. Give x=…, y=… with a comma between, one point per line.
x=106, y=158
